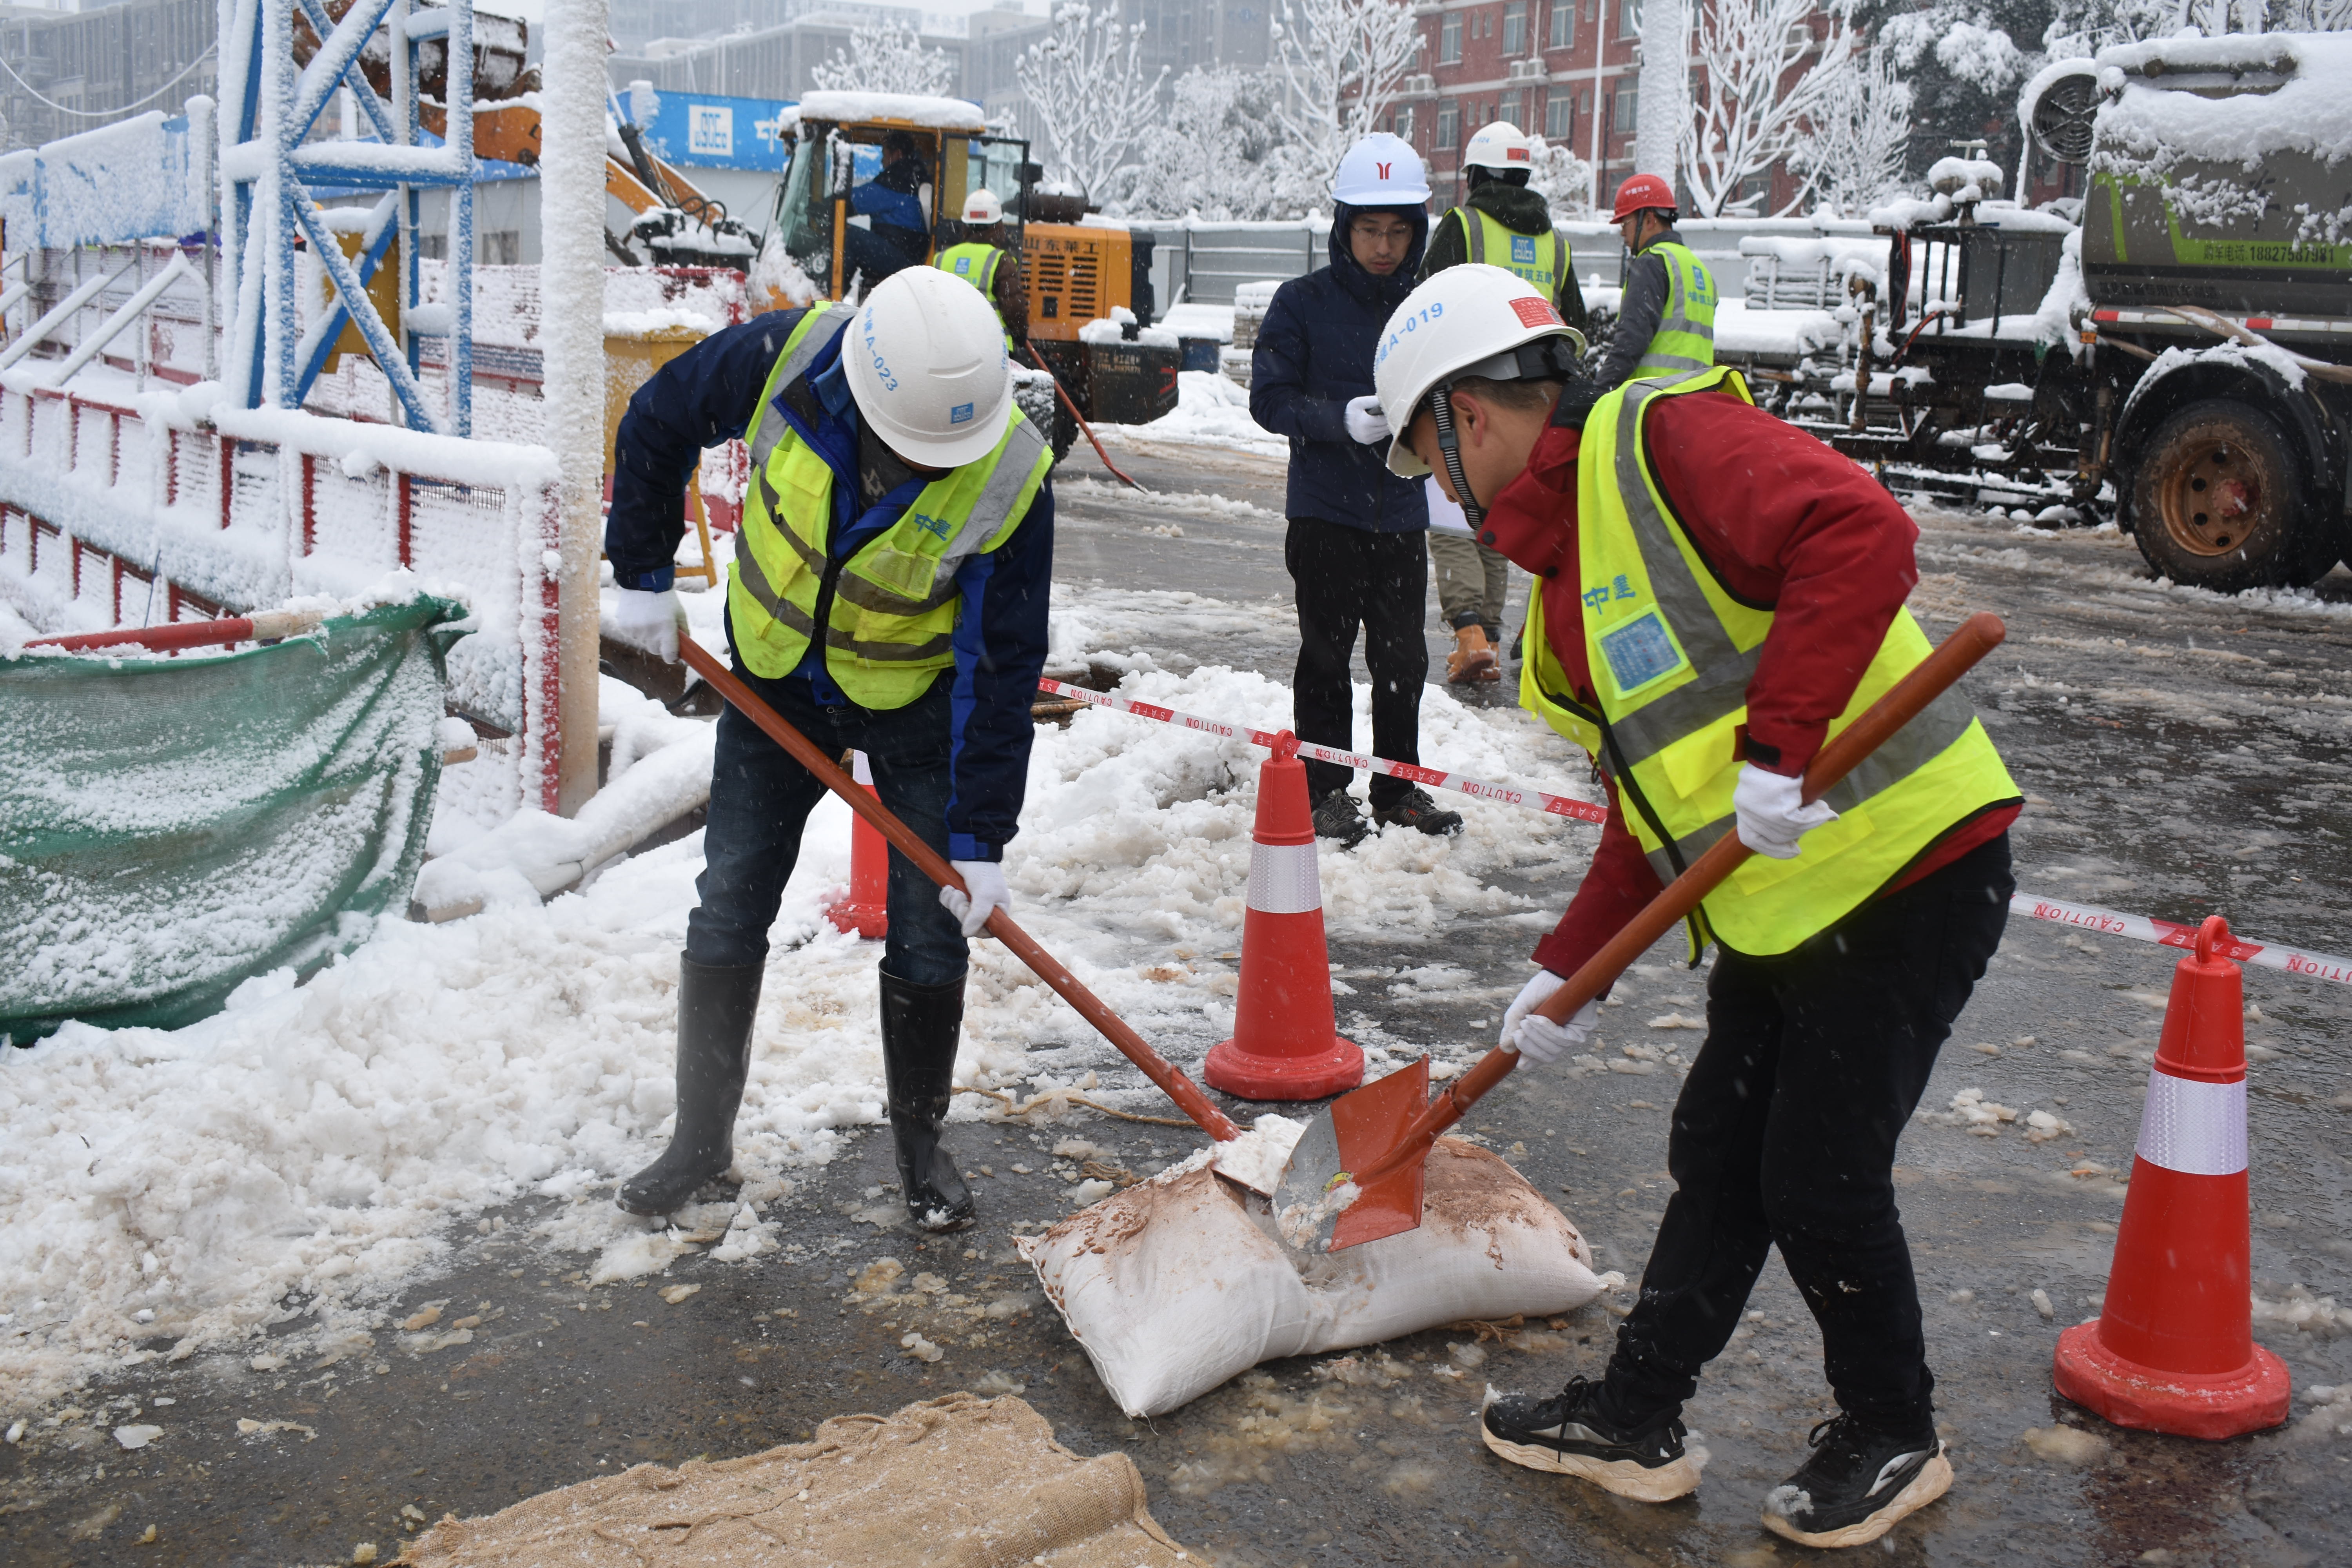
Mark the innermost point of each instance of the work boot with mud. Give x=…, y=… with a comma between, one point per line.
x=1571, y=1434
x=921, y=1024
x=1338, y=816
x=1857, y=1484
x=715, y=1009
x=1415, y=810
x=1473, y=658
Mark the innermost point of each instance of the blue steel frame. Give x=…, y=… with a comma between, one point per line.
x=270, y=167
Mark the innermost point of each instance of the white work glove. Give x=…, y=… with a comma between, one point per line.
x=986, y=880
x=1772, y=814
x=1366, y=423
x=1538, y=1038
x=650, y=621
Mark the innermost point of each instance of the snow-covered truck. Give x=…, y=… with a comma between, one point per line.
x=2180, y=360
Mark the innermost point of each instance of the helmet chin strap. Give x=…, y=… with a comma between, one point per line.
x=1449, y=444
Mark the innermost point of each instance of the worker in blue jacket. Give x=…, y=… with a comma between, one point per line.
x=899, y=501
x=897, y=230
x=1357, y=545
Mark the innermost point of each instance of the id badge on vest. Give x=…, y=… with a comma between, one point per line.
x=1636, y=644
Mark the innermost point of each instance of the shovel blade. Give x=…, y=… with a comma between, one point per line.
x=1356, y=1130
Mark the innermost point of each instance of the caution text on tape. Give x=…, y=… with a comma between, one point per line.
x=2172, y=933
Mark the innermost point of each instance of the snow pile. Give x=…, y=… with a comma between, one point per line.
x=1120, y=326
x=1744, y=328
x=321, y=1141
x=1210, y=411
x=944, y=113
x=1965, y=179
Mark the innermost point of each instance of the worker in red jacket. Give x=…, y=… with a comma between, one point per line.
x=1715, y=594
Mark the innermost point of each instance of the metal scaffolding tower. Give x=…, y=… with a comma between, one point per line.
x=270, y=167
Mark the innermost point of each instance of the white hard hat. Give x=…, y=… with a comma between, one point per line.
x=982, y=207
x=926, y=358
x=1381, y=171
x=1466, y=321
x=1501, y=145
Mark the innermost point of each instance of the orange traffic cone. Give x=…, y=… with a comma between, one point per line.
x=1285, y=1043
x=866, y=908
x=2172, y=1349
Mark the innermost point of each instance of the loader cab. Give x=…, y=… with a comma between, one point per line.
x=867, y=193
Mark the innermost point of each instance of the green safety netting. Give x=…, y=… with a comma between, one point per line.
x=170, y=827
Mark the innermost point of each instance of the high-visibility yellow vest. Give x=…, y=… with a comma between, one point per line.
x=1540, y=258
x=1671, y=654
x=976, y=265
x=890, y=628
x=1685, y=340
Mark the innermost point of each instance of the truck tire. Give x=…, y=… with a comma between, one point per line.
x=2219, y=502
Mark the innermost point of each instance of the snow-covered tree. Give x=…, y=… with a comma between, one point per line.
x=1212, y=154
x=1562, y=178
x=1341, y=62
x=2312, y=16
x=885, y=57
x=1087, y=82
x=1768, y=76
x=1860, y=132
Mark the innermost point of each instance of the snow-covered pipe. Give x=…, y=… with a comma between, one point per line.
x=572, y=332
x=1662, y=111
x=61, y=313
x=131, y=311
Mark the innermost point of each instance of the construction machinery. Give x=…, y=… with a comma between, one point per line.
x=2172, y=350
x=1076, y=269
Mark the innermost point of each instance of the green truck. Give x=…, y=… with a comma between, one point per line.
x=2174, y=354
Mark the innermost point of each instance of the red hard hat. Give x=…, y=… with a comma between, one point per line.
x=1639, y=193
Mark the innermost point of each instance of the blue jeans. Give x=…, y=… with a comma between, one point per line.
x=761, y=798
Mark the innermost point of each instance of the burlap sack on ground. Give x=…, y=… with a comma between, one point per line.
x=1174, y=1285
x=960, y=1482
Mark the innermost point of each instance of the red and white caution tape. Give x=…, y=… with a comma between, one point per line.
x=2171, y=933
x=2138, y=928
x=1508, y=795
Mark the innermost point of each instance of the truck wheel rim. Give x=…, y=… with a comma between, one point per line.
x=2215, y=498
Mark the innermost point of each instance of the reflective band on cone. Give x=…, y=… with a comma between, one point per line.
x=866, y=908
x=1285, y=1044
x=2172, y=1349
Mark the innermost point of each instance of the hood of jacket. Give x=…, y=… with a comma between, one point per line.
x=1516, y=207
x=1387, y=292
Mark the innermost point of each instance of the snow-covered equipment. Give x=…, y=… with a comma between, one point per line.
x=1175, y=1284
x=2172, y=1349
x=1501, y=145
x=926, y=366
x=1642, y=193
x=982, y=208
x=1286, y=1044
x=1074, y=267
x=1001, y=925
x=865, y=906
x=174, y=827
x=1380, y=171
x=1356, y=1173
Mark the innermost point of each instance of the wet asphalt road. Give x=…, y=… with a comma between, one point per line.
x=2183, y=756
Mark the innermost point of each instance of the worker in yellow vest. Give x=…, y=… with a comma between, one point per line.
x=1717, y=594
x=983, y=257
x=1505, y=224
x=1666, y=319
x=888, y=596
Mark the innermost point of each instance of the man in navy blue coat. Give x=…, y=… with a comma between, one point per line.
x=1358, y=547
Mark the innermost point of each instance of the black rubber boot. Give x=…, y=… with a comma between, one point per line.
x=715, y=1008
x=921, y=1024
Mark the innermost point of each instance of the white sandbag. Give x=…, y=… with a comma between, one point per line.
x=1172, y=1286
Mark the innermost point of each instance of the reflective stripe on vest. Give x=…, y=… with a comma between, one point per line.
x=895, y=602
x=802, y=345
x=1671, y=655
x=1540, y=258
x=1685, y=336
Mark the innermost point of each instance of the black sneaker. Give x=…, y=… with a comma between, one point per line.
x=1415, y=810
x=1856, y=1485
x=1337, y=816
x=1567, y=1436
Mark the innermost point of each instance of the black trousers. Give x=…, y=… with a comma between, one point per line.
x=1784, y=1136
x=1344, y=578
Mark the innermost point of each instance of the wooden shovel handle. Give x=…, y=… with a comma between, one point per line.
x=1180, y=1088
x=1930, y=679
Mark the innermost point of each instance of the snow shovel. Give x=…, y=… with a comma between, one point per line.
x=1355, y=1175
x=1156, y=1068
